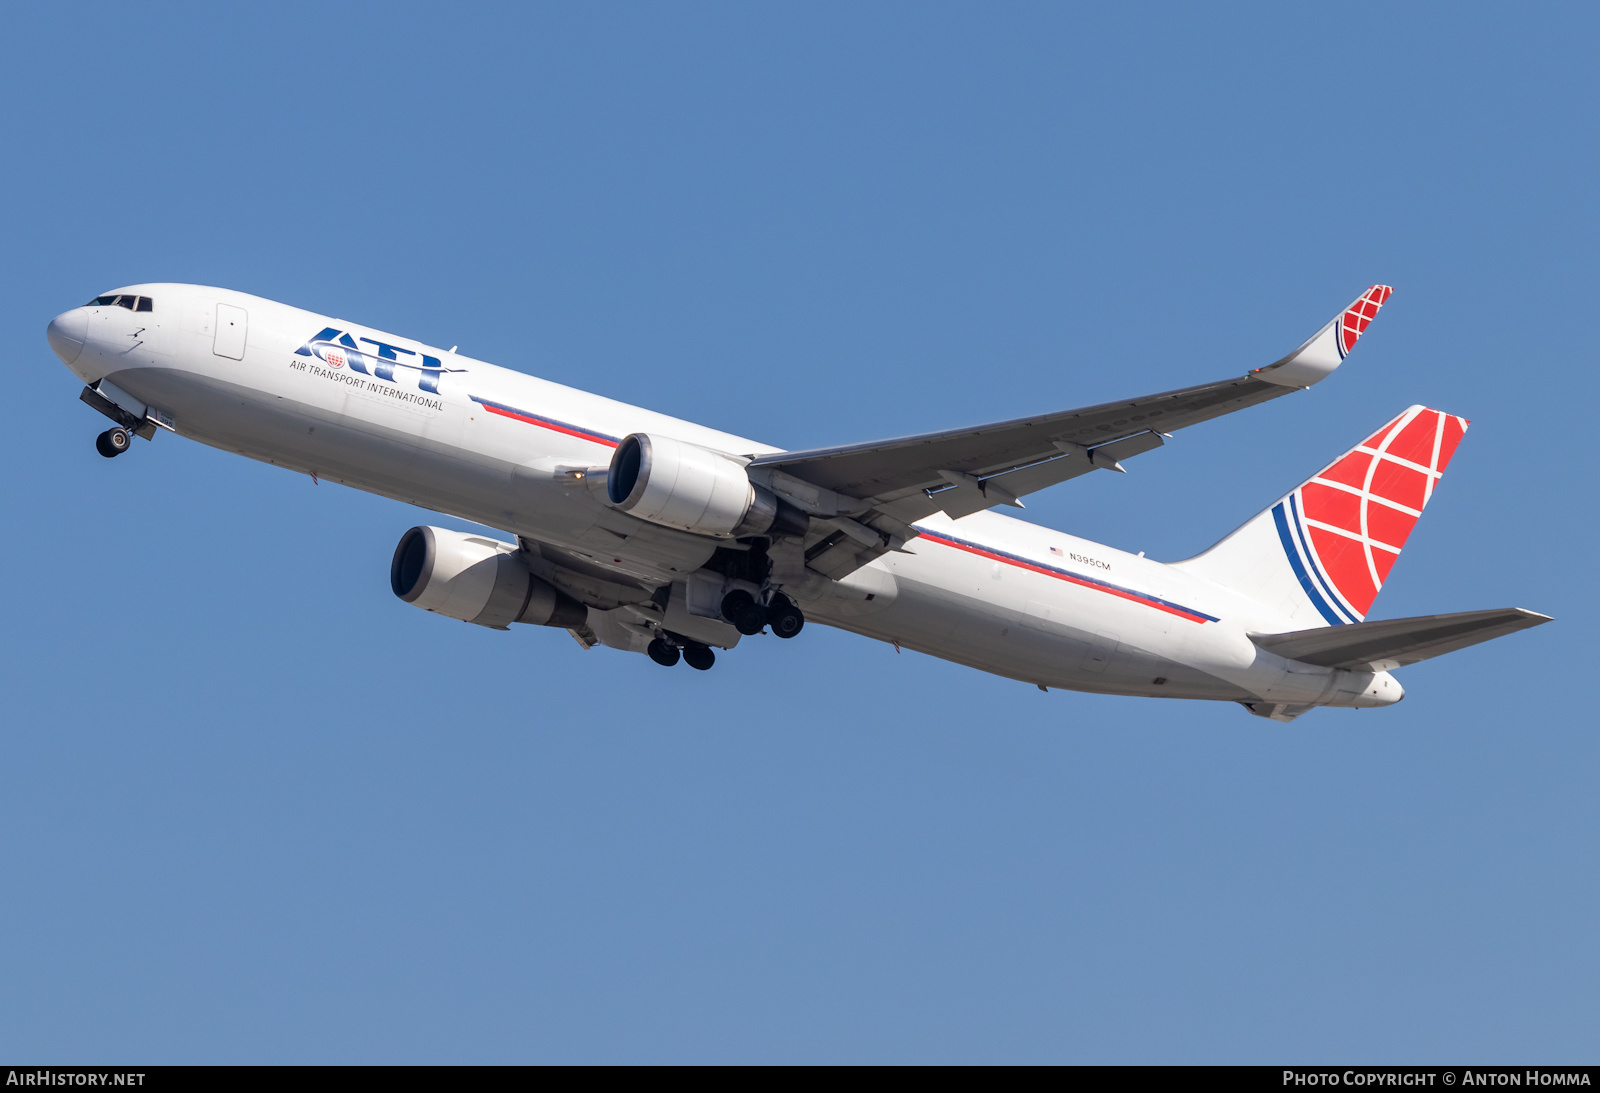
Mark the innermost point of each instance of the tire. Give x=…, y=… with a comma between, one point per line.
x=112, y=442
x=699, y=657
x=785, y=620
x=751, y=620
x=662, y=653
x=735, y=602
x=741, y=609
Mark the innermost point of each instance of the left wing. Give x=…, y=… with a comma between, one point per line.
x=873, y=492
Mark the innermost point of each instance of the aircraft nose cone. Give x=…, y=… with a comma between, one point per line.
x=67, y=332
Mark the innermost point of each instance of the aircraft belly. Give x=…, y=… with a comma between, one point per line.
x=309, y=438
x=954, y=625
x=410, y=464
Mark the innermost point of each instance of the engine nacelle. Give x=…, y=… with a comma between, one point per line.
x=477, y=580
x=681, y=485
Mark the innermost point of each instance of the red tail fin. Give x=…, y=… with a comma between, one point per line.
x=1358, y=513
x=1321, y=554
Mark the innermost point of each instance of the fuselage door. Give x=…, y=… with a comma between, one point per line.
x=231, y=323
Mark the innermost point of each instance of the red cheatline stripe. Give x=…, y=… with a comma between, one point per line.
x=553, y=426
x=1109, y=589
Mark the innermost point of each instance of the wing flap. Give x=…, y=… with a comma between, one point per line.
x=1394, y=643
x=969, y=494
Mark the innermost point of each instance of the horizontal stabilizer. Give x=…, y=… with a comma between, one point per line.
x=1394, y=643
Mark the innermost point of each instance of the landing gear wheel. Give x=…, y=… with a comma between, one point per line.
x=784, y=617
x=699, y=657
x=751, y=620
x=663, y=653
x=112, y=442
x=741, y=609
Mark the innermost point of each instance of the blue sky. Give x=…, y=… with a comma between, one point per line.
x=256, y=809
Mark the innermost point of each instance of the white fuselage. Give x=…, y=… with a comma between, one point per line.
x=506, y=450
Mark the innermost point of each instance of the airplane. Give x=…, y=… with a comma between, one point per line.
x=640, y=532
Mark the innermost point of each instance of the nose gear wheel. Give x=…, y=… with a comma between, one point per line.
x=113, y=442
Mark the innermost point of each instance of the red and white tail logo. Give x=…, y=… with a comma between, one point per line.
x=1358, y=315
x=1351, y=520
x=1320, y=554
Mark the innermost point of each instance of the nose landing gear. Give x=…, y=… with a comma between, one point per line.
x=113, y=442
x=119, y=438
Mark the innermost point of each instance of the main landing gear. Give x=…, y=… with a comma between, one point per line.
x=755, y=606
x=665, y=653
x=750, y=609
x=749, y=616
x=113, y=442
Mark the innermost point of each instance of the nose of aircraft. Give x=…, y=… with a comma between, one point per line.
x=66, y=333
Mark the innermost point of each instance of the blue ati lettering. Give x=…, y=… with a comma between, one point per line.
x=337, y=349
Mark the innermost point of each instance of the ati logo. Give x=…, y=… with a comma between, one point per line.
x=335, y=348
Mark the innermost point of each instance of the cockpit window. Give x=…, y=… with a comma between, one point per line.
x=132, y=303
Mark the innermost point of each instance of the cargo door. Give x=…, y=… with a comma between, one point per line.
x=231, y=323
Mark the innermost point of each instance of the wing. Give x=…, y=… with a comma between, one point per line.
x=873, y=492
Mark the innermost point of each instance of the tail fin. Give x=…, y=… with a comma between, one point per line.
x=1321, y=554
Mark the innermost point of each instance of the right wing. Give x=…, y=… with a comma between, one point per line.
x=874, y=492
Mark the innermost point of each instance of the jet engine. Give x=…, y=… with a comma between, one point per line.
x=682, y=485
x=477, y=580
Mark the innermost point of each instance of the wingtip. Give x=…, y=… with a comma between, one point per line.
x=1359, y=315
x=1325, y=350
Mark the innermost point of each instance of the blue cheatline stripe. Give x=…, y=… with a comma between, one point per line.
x=1281, y=518
x=1130, y=594
x=1329, y=591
